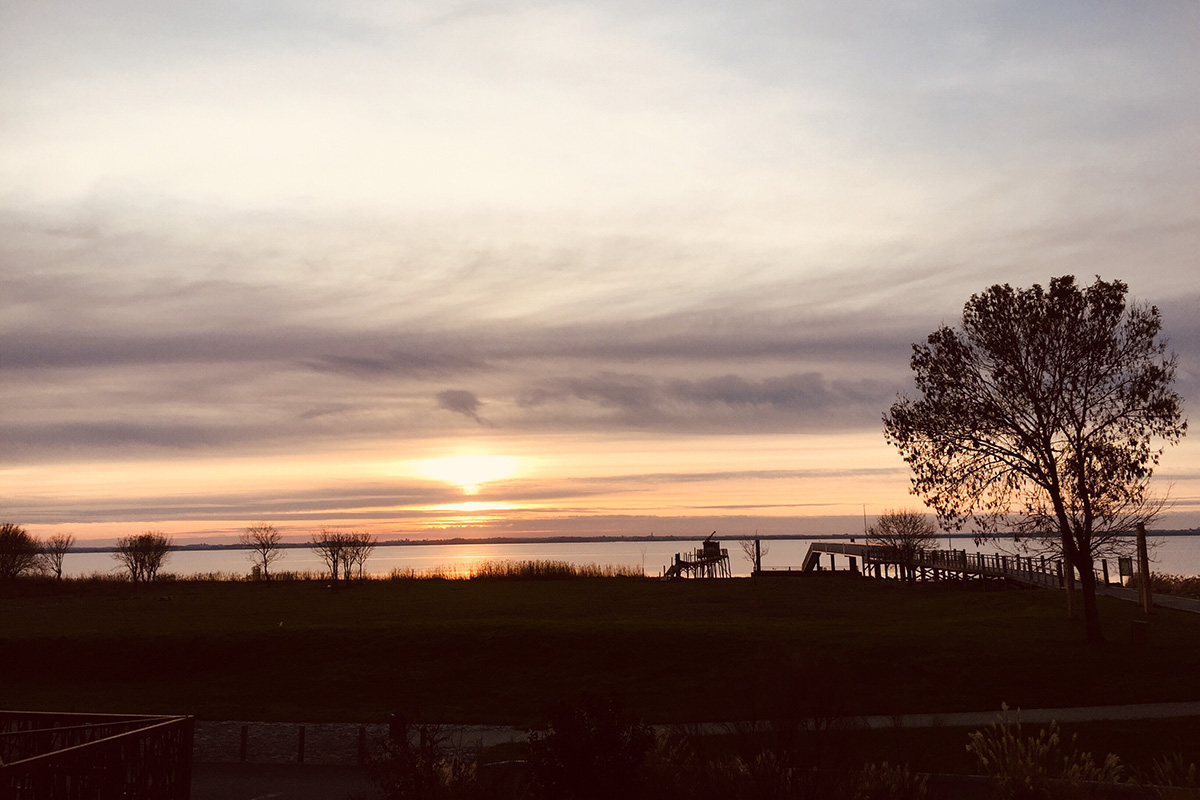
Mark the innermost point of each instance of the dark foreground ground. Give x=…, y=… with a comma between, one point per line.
x=504, y=651
x=922, y=745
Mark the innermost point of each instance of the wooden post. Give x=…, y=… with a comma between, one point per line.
x=398, y=728
x=832, y=564
x=1104, y=564
x=1072, y=606
x=1144, y=570
x=758, y=555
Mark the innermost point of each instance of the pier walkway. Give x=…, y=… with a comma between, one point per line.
x=882, y=562
x=939, y=564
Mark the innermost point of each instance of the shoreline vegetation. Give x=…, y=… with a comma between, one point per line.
x=532, y=569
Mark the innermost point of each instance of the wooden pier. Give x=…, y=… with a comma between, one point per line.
x=886, y=562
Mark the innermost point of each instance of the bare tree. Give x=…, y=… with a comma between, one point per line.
x=55, y=551
x=358, y=548
x=262, y=540
x=330, y=545
x=1045, y=413
x=20, y=552
x=143, y=555
x=748, y=551
x=906, y=532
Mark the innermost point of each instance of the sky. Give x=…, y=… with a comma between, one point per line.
x=438, y=269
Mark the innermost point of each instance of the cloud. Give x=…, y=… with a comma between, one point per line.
x=726, y=403
x=362, y=501
x=462, y=402
x=288, y=227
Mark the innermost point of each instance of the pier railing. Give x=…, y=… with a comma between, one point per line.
x=1026, y=570
x=48, y=755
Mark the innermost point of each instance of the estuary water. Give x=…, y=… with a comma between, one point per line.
x=1178, y=554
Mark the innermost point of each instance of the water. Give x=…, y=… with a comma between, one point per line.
x=1179, y=555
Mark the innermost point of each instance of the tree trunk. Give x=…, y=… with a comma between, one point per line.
x=1072, y=606
x=1091, y=614
x=1068, y=554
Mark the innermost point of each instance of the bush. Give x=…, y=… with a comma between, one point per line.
x=885, y=782
x=427, y=769
x=1171, y=773
x=1165, y=583
x=592, y=750
x=1037, y=766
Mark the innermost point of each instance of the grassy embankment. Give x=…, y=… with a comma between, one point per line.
x=507, y=651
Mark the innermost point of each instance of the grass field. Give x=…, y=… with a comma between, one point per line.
x=507, y=651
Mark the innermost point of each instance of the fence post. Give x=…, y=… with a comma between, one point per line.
x=398, y=728
x=1144, y=570
x=1104, y=564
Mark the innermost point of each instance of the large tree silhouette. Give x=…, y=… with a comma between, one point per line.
x=263, y=541
x=19, y=551
x=1045, y=413
x=143, y=555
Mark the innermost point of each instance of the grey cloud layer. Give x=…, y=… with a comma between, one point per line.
x=236, y=227
x=117, y=389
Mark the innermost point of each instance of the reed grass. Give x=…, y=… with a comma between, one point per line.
x=546, y=570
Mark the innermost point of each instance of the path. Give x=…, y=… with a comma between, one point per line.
x=1160, y=600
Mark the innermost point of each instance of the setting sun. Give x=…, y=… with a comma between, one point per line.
x=469, y=472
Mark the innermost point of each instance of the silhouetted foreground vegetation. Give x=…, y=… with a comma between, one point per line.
x=1178, y=585
x=594, y=749
x=507, y=650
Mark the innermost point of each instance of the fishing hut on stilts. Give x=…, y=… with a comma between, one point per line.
x=709, y=561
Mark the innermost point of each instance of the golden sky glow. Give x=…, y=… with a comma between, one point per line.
x=469, y=472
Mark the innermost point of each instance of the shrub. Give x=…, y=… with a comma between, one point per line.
x=885, y=782
x=593, y=749
x=1165, y=583
x=1171, y=773
x=1037, y=766
x=427, y=769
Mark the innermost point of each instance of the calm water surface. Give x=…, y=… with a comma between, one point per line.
x=1174, y=554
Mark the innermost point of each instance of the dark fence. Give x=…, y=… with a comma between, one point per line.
x=47, y=755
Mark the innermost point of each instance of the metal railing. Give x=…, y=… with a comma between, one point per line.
x=47, y=755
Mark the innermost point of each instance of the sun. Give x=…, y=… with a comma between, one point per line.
x=470, y=472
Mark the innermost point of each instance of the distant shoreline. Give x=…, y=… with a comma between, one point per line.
x=202, y=546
